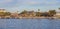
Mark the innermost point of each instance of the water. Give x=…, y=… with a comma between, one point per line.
x=29, y=23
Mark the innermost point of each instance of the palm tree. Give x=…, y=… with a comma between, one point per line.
x=59, y=8
x=38, y=10
x=38, y=13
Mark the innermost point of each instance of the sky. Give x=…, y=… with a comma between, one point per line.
x=20, y=5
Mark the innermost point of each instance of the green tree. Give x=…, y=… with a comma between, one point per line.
x=59, y=8
x=52, y=12
x=38, y=14
x=4, y=13
x=23, y=12
x=38, y=10
x=7, y=13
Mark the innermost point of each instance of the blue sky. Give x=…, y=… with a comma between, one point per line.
x=20, y=5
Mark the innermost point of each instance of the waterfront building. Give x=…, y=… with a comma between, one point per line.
x=57, y=14
x=2, y=13
x=31, y=13
x=3, y=10
x=14, y=15
x=44, y=14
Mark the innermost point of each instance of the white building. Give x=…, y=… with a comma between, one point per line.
x=2, y=10
x=57, y=13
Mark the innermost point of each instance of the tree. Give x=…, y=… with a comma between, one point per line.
x=59, y=8
x=38, y=10
x=7, y=13
x=1, y=13
x=38, y=14
x=4, y=13
x=23, y=12
x=52, y=12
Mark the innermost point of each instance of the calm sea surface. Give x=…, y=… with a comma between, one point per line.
x=29, y=23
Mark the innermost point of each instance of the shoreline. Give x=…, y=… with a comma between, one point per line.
x=39, y=17
x=30, y=17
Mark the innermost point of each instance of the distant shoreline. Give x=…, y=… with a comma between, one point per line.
x=38, y=17
x=32, y=18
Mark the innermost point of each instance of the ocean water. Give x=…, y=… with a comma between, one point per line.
x=30, y=23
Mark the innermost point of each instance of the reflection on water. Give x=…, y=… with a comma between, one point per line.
x=29, y=23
